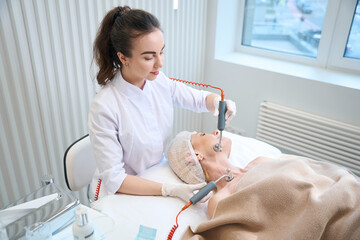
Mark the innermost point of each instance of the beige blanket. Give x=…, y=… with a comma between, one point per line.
x=290, y=198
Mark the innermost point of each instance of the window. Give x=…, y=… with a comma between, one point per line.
x=318, y=32
x=285, y=26
x=353, y=44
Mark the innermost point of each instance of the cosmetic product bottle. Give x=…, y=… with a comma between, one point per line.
x=82, y=227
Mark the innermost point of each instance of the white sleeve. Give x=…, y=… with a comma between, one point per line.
x=103, y=132
x=187, y=97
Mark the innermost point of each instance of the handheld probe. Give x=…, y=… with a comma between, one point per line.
x=221, y=124
x=209, y=187
x=200, y=195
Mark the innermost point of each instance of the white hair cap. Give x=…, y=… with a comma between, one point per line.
x=182, y=159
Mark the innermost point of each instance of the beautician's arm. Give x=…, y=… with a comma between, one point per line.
x=139, y=186
x=210, y=101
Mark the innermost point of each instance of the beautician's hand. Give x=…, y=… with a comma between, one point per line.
x=182, y=191
x=230, y=109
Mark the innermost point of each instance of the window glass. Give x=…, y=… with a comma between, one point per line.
x=290, y=26
x=352, y=49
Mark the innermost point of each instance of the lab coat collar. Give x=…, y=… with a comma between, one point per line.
x=129, y=89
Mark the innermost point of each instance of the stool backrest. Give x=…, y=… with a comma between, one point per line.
x=79, y=164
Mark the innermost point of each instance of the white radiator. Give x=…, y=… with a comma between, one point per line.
x=310, y=135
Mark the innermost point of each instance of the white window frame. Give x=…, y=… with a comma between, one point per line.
x=336, y=28
x=340, y=37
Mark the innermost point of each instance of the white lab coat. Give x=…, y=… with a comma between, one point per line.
x=129, y=127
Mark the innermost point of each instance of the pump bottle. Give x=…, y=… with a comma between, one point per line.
x=82, y=227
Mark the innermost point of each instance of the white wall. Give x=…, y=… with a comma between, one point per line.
x=248, y=86
x=46, y=79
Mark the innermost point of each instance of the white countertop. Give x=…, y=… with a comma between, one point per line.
x=105, y=227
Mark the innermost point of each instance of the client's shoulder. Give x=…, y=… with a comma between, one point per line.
x=258, y=161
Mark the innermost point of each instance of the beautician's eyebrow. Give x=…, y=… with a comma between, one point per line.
x=150, y=52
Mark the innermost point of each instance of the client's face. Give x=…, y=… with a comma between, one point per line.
x=204, y=143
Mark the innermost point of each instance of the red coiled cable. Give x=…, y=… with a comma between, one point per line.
x=203, y=85
x=172, y=231
x=96, y=197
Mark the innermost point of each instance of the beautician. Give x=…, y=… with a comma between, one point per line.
x=131, y=117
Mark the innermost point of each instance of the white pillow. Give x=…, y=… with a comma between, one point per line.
x=245, y=149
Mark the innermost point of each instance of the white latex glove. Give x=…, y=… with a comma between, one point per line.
x=182, y=191
x=230, y=109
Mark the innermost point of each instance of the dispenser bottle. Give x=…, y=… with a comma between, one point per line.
x=82, y=227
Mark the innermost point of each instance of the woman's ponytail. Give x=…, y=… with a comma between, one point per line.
x=104, y=51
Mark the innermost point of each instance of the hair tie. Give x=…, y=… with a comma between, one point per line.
x=118, y=13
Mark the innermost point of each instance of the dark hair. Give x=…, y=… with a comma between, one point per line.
x=116, y=33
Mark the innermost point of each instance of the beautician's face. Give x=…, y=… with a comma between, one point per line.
x=146, y=59
x=204, y=143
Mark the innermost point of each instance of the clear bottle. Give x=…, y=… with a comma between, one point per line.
x=82, y=227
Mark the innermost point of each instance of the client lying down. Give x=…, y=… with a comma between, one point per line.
x=287, y=198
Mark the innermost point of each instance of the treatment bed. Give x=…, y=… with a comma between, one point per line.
x=292, y=197
x=132, y=213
